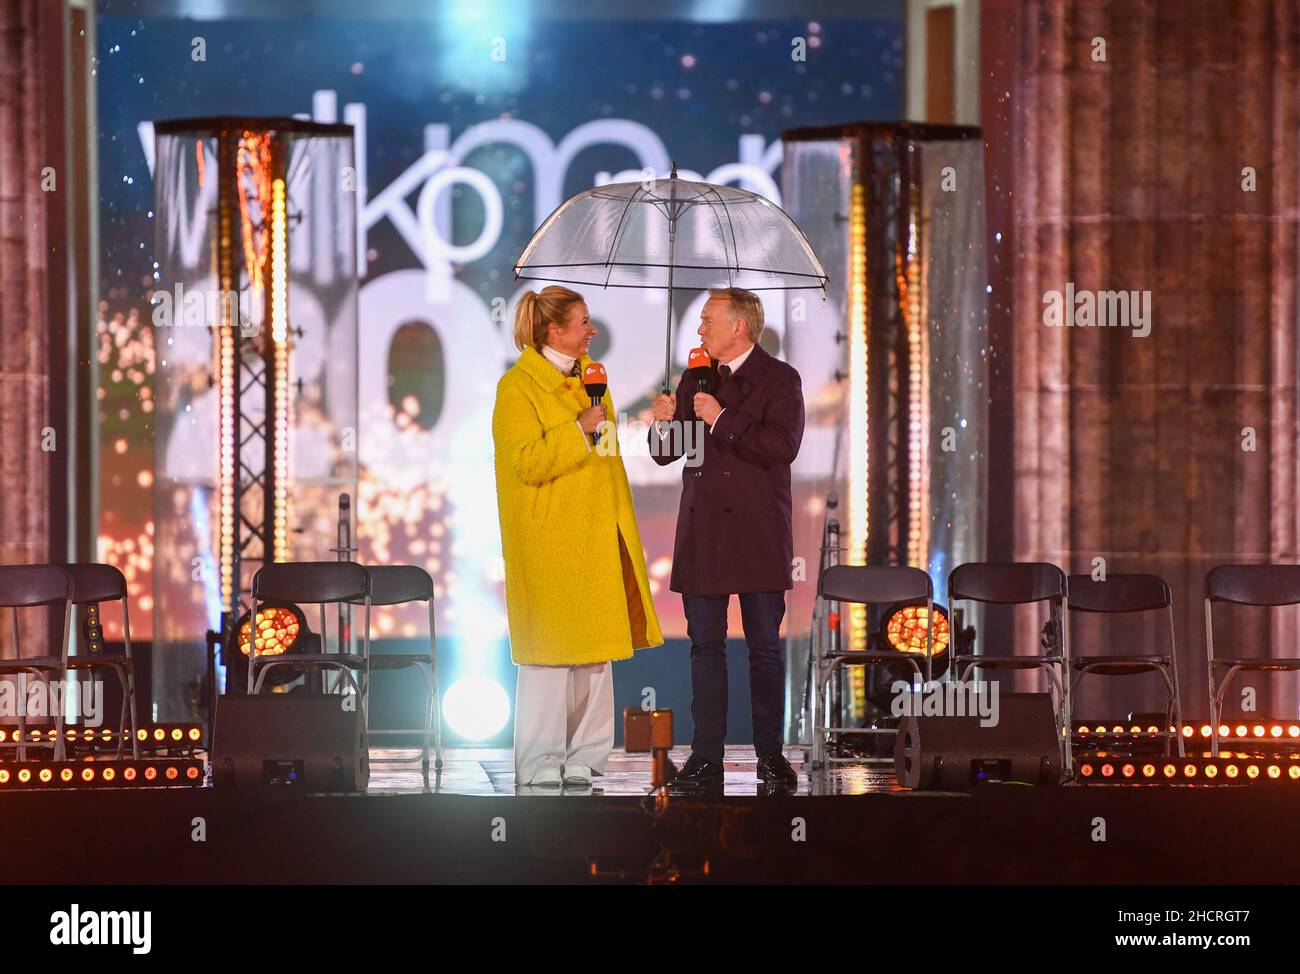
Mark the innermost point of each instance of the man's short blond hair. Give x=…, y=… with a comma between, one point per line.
x=744, y=304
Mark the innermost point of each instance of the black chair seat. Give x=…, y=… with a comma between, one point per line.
x=873, y=655
x=1008, y=662
x=1278, y=665
x=90, y=662
x=32, y=662
x=1120, y=664
x=314, y=659
x=396, y=661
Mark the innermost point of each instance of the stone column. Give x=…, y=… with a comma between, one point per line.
x=1129, y=125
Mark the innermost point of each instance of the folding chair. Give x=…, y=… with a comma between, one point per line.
x=395, y=585
x=319, y=583
x=866, y=585
x=92, y=584
x=1266, y=586
x=1130, y=593
x=1021, y=583
x=29, y=586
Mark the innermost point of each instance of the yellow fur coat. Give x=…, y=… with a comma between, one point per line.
x=577, y=590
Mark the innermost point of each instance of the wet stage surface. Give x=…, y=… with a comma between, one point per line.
x=491, y=771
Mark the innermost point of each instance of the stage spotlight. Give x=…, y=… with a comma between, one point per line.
x=1148, y=770
x=902, y=629
x=281, y=628
x=905, y=626
x=278, y=629
x=476, y=707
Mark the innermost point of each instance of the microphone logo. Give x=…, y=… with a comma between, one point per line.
x=595, y=381
x=699, y=367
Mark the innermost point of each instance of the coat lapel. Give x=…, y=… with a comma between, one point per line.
x=536, y=367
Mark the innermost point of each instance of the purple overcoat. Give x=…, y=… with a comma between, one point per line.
x=733, y=526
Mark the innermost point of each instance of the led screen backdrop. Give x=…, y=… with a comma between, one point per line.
x=467, y=135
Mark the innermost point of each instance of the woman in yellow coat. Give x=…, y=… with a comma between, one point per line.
x=577, y=591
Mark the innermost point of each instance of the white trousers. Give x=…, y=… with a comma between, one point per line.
x=563, y=715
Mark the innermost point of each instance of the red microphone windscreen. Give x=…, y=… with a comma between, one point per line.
x=595, y=381
x=699, y=359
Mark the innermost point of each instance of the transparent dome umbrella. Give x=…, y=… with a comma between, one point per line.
x=670, y=233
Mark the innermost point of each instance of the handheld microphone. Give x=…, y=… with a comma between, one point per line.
x=699, y=366
x=595, y=381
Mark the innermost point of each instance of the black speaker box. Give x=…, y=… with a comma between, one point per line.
x=954, y=753
x=317, y=743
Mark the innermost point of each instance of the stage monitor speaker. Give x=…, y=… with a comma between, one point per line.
x=954, y=753
x=317, y=743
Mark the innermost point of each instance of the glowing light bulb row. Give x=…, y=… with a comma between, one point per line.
x=859, y=333
x=164, y=773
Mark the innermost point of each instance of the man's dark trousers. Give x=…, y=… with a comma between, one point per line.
x=706, y=624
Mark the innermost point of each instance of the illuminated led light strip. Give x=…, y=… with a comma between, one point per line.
x=1229, y=731
x=280, y=337
x=919, y=288
x=226, y=463
x=859, y=332
x=189, y=735
x=226, y=371
x=1226, y=770
x=908, y=277
x=157, y=773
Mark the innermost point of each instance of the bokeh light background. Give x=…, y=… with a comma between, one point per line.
x=574, y=102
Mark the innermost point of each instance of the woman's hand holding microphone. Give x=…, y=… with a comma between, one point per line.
x=591, y=418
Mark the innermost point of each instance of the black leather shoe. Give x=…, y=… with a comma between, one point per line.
x=775, y=770
x=697, y=776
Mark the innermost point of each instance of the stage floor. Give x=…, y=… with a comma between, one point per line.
x=469, y=826
x=491, y=771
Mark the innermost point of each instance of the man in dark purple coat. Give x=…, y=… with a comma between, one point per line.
x=733, y=527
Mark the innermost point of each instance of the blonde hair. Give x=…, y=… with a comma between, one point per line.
x=536, y=311
x=744, y=304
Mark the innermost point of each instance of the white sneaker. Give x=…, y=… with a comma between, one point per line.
x=577, y=776
x=547, y=777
